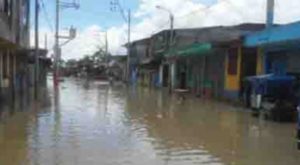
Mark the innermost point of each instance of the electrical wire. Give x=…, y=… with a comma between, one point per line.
x=46, y=15
x=121, y=9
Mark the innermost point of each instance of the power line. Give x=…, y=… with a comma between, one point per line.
x=48, y=20
x=116, y=3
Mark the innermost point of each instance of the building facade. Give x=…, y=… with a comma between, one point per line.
x=14, y=45
x=212, y=62
x=279, y=47
x=215, y=61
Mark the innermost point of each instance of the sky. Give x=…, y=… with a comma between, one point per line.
x=94, y=17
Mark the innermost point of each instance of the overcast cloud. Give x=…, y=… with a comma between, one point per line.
x=188, y=14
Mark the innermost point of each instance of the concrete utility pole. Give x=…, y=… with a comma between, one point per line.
x=114, y=5
x=106, y=53
x=171, y=42
x=270, y=13
x=129, y=45
x=72, y=35
x=56, y=46
x=46, y=41
x=36, y=70
x=171, y=15
x=172, y=29
x=106, y=48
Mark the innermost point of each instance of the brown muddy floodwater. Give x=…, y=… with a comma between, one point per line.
x=94, y=124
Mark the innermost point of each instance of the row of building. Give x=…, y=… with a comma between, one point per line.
x=214, y=61
x=16, y=56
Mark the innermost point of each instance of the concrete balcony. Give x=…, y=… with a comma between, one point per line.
x=9, y=36
x=6, y=36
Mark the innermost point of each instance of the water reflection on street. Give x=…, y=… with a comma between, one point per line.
x=92, y=123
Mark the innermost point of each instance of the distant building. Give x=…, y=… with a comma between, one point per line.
x=117, y=66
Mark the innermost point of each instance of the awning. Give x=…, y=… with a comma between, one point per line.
x=195, y=49
x=280, y=35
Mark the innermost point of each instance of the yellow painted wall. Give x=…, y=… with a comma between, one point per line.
x=232, y=82
x=260, y=63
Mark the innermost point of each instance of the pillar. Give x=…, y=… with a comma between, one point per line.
x=1, y=74
x=14, y=69
x=203, y=74
x=8, y=67
x=14, y=74
x=161, y=79
x=1, y=69
x=173, y=75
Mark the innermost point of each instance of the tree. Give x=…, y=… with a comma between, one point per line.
x=99, y=56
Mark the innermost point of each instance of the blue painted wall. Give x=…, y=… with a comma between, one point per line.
x=275, y=39
x=284, y=33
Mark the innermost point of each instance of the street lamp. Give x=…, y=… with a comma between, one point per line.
x=171, y=21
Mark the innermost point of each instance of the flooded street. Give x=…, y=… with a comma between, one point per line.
x=96, y=124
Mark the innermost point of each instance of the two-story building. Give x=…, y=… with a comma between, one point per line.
x=279, y=46
x=208, y=61
x=212, y=61
x=14, y=44
x=139, y=57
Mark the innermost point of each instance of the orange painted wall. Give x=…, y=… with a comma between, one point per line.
x=232, y=82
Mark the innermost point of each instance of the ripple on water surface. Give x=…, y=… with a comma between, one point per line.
x=97, y=124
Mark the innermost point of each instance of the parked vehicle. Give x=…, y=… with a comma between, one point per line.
x=273, y=96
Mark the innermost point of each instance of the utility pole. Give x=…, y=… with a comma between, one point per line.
x=106, y=53
x=106, y=48
x=46, y=41
x=172, y=29
x=171, y=15
x=171, y=82
x=72, y=34
x=114, y=5
x=128, y=45
x=36, y=70
x=56, y=46
x=270, y=13
x=171, y=69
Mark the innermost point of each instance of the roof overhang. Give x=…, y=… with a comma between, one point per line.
x=196, y=49
x=281, y=35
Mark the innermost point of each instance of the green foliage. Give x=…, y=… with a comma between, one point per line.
x=96, y=60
